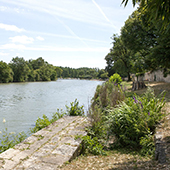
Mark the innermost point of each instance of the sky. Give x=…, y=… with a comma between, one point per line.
x=68, y=33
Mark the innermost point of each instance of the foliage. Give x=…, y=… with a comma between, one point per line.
x=134, y=119
x=120, y=56
x=115, y=78
x=158, y=11
x=75, y=109
x=107, y=95
x=83, y=73
x=20, y=68
x=92, y=145
x=8, y=140
x=6, y=73
x=147, y=144
x=59, y=114
x=41, y=123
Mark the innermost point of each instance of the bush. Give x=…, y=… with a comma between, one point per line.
x=75, y=109
x=9, y=140
x=115, y=78
x=134, y=119
x=92, y=145
x=41, y=123
x=107, y=95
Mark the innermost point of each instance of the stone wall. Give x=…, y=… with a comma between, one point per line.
x=49, y=148
x=156, y=76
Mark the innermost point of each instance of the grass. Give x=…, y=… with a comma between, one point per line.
x=122, y=159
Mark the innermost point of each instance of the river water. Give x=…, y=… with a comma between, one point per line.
x=22, y=103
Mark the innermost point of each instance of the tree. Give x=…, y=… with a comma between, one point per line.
x=120, y=54
x=39, y=62
x=136, y=36
x=159, y=58
x=140, y=39
x=110, y=63
x=6, y=73
x=58, y=71
x=158, y=11
x=149, y=45
x=20, y=68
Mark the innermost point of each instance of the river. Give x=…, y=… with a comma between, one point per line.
x=22, y=103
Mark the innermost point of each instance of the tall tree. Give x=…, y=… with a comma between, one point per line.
x=140, y=39
x=158, y=11
x=20, y=68
x=120, y=54
x=6, y=73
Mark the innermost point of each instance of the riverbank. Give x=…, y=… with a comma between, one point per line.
x=122, y=159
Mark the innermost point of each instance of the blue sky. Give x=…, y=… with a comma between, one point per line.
x=72, y=33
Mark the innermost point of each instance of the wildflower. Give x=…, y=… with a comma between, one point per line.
x=149, y=113
x=0, y=132
x=4, y=120
x=141, y=105
x=135, y=101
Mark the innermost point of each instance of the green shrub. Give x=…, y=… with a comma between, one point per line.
x=75, y=109
x=107, y=95
x=115, y=78
x=92, y=145
x=9, y=140
x=147, y=144
x=41, y=123
x=134, y=119
x=59, y=114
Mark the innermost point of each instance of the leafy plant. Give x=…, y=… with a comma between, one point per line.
x=92, y=145
x=147, y=144
x=115, y=78
x=107, y=95
x=41, y=123
x=59, y=114
x=135, y=119
x=9, y=140
x=75, y=109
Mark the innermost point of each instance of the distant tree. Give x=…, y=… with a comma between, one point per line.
x=6, y=73
x=59, y=71
x=39, y=62
x=20, y=69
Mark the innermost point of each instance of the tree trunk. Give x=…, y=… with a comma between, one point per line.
x=129, y=79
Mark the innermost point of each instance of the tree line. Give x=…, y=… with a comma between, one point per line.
x=144, y=42
x=20, y=70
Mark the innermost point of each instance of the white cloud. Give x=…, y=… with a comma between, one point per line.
x=22, y=39
x=81, y=10
x=12, y=47
x=40, y=38
x=52, y=48
x=3, y=8
x=4, y=54
x=11, y=28
x=68, y=49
